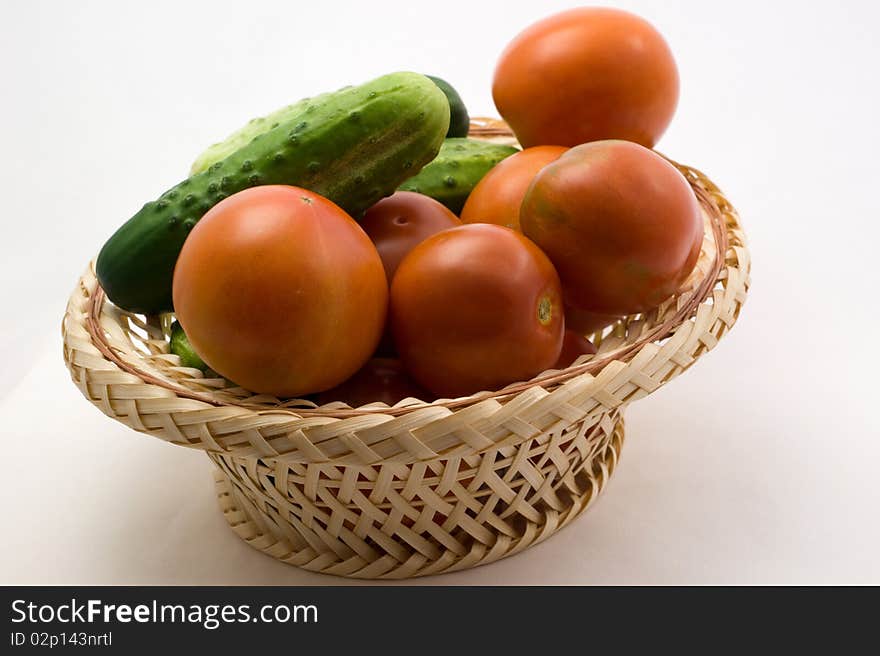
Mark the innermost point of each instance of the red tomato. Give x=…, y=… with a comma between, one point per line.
x=497, y=197
x=474, y=308
x=587, y=74
x=584, y=322
x=381, y=379
x=279, y=290
x=620, y=223
x=398, y=223
x=573, y=347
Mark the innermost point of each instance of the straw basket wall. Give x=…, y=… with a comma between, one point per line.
x=420, y=488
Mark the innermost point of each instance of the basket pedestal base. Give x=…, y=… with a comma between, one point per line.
x=402, y=521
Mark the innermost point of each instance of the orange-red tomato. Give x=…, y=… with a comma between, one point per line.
x=381, y=379
x=574, y=346
x=474, y=308
x=398, y=223
x=584, y=322
x=619, y=222
x=279, y=290
x=497, y=197
x=587, y=74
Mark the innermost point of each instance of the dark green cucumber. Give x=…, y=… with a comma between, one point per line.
x=181, y=347
x=458, y=168
x=354, y=146
x=459, y=121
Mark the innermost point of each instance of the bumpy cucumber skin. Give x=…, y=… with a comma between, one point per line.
x=456, y=170
x=244, y=135
x=459, y=121
x=181, y=347
x=459, y=124
x=353, y=147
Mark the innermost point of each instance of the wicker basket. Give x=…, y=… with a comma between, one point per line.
x=417, y=489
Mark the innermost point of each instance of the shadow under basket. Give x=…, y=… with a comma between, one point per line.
x=381, y=492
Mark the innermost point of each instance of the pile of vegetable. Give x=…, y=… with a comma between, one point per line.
x=357, y=246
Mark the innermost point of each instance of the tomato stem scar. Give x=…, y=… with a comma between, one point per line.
x=545, y=310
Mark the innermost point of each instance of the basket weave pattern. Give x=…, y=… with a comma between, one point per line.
x=398, y=521
x=417, y=489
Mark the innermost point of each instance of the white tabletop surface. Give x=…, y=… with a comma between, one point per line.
x=759, y=465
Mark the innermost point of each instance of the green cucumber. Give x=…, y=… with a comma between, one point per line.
x=244, y=135
x=458, y=168
x=459, y=121
x=181, y=347
x=354, y=146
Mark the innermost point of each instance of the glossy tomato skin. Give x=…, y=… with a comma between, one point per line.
x=279, y=290
x=498, y=196
x=620, y=223
x=574, y=345
x=381, y=379
x=587, y=74
x=475, y=308
x=400, y=222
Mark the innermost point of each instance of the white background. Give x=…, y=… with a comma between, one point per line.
x=758, y=465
